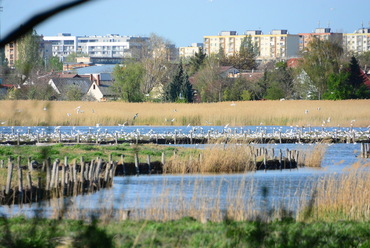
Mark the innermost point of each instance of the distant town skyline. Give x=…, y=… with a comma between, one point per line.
x=186, y=22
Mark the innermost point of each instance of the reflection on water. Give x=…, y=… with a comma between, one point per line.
x=182, y=193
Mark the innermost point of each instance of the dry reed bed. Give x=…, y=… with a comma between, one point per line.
x=343, y=113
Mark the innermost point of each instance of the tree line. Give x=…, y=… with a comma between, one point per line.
x=323, y=71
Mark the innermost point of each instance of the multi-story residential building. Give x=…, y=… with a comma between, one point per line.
x=63, y=44
x=187, y=52
x=109, y=46
x=357, y=42
x=276, y=45
x=11, y=53
x=320, y=33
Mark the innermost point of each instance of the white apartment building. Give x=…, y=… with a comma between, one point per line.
x=189, y=51
x=62, y=45
x=276, y=45
x=357, y=42
x=109, y=46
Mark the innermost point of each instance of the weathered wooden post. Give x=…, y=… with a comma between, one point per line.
x=163, y=158
x=281, y=159
x=137, y=163
x=191, y=137
x=18, y=139
x=47, y=187
x=9, y=177
x=2, y=164
x=20, y=182
x=148, y=162
x=175, y=138
x=29, y=164
x=29, y=181
x=116, y=138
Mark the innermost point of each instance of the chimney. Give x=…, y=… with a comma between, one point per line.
x=98, y=79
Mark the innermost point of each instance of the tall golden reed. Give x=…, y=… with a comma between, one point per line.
x=231, y=158
x=294, y=112
x=339, y=197
x=314, y=156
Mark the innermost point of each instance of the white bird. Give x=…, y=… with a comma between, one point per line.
x=136, y=115
x=227, y=125
x=45, y=109
x=306, y=111
x=97, y=125
x=68, y=114
x=318, y=108
x=232, y=104
x=3, y=122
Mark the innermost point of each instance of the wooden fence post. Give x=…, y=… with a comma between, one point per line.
x=9, y=177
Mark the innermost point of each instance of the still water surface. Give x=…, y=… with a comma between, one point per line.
x=283, y=187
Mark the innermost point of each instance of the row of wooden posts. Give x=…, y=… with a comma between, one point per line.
x=62, y=179
x=272, y=161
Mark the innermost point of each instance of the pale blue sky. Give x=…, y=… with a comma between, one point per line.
x=186, y=21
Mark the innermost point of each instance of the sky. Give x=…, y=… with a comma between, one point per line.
x=184, y=22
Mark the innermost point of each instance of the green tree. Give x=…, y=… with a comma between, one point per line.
x=73, y=93
x=208, y=82
x=54, y=64
x=196, y=61
x=364, y=60
x=246, y=58
x=321, y=58
x=29, y=55
x=179, y=89
x=274, y=91
x=338, y=87
x=128, y=80
x=356, y=80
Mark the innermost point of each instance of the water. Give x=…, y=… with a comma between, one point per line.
x=178, y=192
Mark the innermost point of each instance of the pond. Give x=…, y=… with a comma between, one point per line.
x=184, y=193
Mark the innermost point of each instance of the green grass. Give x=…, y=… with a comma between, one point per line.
x=186, y=232
x=87, y=151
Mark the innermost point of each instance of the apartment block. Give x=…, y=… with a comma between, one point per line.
x=276, y=45
x=11, y=53
x=109, y=46
x=358, y=41
x=188, y=52
x=63, y=44
x=319, y=33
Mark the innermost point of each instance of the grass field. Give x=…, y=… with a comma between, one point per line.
x=298, y=112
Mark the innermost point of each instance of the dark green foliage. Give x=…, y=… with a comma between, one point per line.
x=128, y=81
x=338, y=87
x=356, y=80
x=179, y=89
x=54, y=64
x=196, y=62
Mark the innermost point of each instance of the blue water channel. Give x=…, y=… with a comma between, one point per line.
x=177, y=192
